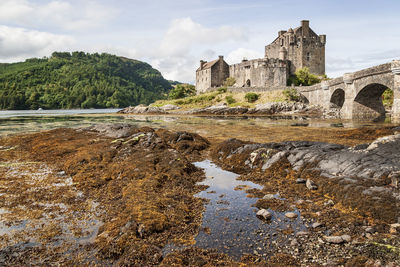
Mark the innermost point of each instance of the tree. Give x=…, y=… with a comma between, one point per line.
x=181, y=91
x=303, y=77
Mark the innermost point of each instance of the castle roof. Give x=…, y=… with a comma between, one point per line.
x=208, y=65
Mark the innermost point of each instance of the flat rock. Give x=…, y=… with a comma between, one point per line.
x=316, y=224
x=291, y=215
x=269, y=196
x=265, y=214
x=338, y=239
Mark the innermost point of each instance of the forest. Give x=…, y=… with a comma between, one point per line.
x=79, y=80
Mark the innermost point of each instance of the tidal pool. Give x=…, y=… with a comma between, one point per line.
x=229, y=222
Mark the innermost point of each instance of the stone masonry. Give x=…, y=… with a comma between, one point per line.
x=291, y=50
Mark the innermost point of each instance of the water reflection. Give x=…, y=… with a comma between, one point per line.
x=229, y=221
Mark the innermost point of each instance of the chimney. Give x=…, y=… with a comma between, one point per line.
x=280, y=33
x=202, y=62
x=305, y=25
x=221, y=57
x=322, y=38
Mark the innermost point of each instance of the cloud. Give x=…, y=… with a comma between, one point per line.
x=56, y=13
x=19, y=43
x=178, y=55
x=184, y=33
x=237, y=55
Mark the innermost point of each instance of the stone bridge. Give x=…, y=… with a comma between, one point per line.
x=358, y=95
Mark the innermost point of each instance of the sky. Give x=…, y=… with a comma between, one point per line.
x=174, y=35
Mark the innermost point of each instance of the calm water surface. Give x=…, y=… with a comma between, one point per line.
x=256, y=129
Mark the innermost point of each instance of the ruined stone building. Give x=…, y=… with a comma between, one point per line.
x=291, y=50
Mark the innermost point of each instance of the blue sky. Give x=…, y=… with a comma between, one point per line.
x=173, y=35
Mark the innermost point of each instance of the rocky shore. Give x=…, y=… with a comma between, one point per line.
x=272, y=108
x=117, y=195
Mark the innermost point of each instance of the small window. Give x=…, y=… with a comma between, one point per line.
x=308, y=56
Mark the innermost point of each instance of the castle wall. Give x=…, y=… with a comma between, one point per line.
x=219, y=73
x=203, y=80
x=260, y=73
x=313, y=55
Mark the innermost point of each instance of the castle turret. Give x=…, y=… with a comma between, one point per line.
x=305, y=25
x=282, y=53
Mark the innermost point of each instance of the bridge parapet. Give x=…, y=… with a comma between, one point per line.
x=376, y=70
x=396, y=66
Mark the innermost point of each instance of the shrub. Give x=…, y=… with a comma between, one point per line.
x=181, y=91
x=303, y=77
x=229, y=99
x=251, y=97
x=230, y=81
x=291, y=94
x=221, y=90
x=387, y=98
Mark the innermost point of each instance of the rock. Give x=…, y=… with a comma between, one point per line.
x=334, y=239
x=395, y=179
x=294, y=243
x=291, y=215
x=395, y=228
x=370, y=230
x=141, y=230
x=346, y=238
x=338, y=239
x=316, y=224
x=329, y=203
x=266, y=215
x=302, y=233
x=269, y=196
x=311, y=185
x=169, y=107
x=300, y=181
x=373, y=263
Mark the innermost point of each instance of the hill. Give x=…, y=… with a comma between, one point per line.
x=79, y=80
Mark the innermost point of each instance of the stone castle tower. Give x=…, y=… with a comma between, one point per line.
x=291, y=50
x=301, y=46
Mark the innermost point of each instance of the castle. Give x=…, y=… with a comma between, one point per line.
x=291, y=50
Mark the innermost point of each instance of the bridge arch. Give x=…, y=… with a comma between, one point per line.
x=337, y=98
x=368, y=102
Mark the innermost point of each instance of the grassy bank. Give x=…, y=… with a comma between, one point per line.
x=231, y=99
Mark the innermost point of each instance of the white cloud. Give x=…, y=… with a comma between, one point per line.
x=57, y=13
x=184, y=33
x=19, y=43
x=237, y=55
x=178, y=57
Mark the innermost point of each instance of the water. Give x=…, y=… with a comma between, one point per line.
x=254, y=129
x=229, y=221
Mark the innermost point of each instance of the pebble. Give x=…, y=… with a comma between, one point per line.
x=395, y=228
x=316, y=224
x=300, y=181
x=370, y=230
x=311, y=185
x=269, y=196
x=264, y=214
x=291, y=215
x=338, y=239
x=301, y=233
